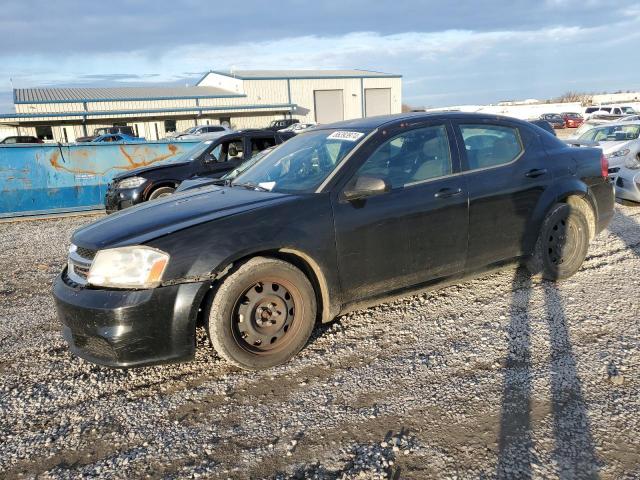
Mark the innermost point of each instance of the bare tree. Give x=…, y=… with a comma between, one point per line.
x=572, y=97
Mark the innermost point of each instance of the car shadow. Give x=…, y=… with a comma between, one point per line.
x=574, y=452
x=620, y=227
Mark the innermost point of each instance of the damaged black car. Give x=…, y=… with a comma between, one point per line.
x=341, y=217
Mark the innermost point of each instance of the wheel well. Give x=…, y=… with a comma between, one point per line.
x=156, y=186
x=583, y=205
x=297, y=260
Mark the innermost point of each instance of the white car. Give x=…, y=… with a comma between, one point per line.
x=619, y=142
x=202, y=132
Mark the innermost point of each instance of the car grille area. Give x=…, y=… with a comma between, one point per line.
x=78, y=265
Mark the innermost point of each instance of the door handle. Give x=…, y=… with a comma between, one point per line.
x=536, y=172
x=448, y=192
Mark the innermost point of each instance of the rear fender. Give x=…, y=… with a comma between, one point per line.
x=556, y=193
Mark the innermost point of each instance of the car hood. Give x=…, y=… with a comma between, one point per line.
x=140, y=171
x=157, y=218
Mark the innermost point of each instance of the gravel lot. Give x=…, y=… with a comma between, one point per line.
x=499, y=376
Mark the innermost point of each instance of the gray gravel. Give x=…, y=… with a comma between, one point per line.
x=498, y=376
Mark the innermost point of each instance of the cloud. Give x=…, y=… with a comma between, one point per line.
x=451, y=66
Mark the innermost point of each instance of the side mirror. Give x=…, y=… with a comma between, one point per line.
x=209, y=158
x=364, y=187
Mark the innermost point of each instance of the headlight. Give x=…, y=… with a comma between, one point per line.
x=131, y=182
x=632, y=163
x=619, y=153
x=128, y=267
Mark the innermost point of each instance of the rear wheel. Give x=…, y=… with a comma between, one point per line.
x=562, y=244
x=161, y=192
x=262, y=314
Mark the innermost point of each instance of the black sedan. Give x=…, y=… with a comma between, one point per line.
x=212, y=158
x=555, y=119
x=334, y=219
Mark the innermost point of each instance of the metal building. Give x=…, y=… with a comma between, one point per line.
x=242, y=99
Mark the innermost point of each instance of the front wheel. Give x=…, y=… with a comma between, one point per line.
x=161, y=192
x=562, y=244
x=262, y=314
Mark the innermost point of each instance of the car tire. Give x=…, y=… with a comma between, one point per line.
x=562, y=244
x=262, y=314
x=161, y=192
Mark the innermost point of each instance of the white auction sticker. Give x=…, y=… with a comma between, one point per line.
x=348, y=136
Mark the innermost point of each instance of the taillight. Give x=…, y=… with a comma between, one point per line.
x=604, y=166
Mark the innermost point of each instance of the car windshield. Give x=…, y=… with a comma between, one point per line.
x=244, y=166
x=628, y=110
x=190, y=155
x=573, y=115
x=301, y=164
x=613, y=133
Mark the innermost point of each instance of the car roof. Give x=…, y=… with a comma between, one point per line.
x=616, y=124
x=370, y=123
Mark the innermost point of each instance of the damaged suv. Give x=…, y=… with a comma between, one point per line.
x=340, y=217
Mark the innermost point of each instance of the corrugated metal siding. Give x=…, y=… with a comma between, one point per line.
x=33, y=95
x=258, y=92
x=248, y=74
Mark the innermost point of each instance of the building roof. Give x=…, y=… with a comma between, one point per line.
x=58, y=95
x=302, y=74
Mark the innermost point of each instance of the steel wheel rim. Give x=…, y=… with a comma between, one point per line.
x=562, y=242
x=264, y=316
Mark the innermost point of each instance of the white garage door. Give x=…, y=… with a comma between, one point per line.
x=378, y=101
x=329, y=106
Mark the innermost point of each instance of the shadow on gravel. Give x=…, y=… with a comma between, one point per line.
x=574, y=453
x=621, y=226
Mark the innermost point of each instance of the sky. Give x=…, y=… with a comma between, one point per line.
x=449, y=52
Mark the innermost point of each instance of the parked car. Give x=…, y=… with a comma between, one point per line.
x=20, y=139
x=120, y=129
x=212, y=158
x=117, y=137
x=197, y=182
x=555, y=119
x=340, y=217
x=546, y=126
x=202, y=132
x=280, y=124
x=613, y=112
x=618, y=141
x=630, y=118
x=572, y=119
x=628, y=181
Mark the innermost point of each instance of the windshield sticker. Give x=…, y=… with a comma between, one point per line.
x=267, y=185
x=347, y=136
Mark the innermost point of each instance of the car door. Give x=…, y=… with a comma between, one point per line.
x=216, y=161
x=416, y=231
x=507, y=172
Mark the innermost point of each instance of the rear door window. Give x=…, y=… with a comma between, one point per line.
x=261, y=143
x=489, y=146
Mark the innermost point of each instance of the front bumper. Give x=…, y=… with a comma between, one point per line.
x=628, y=185
x=129, y=328
x=117, y=199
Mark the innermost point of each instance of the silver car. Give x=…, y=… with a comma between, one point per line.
x=619, y=143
